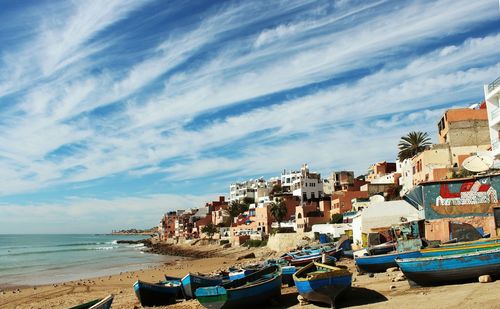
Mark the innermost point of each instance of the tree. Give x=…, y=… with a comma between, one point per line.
x=278, y=210
x=337, y=218
x=412, y=144
x=209, y=229
x=234, y=208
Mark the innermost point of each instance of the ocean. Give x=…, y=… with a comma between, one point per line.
x=44, y=259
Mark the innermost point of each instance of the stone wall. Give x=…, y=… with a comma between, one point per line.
x=282, y=242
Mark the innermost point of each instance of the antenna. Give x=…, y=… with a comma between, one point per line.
x=478, y=163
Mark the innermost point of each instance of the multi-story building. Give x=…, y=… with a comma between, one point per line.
x=462, y=133
x=492, y=99
x=253, y=189
x=308, y=185
x=287, y=179
x=380, y=169
x=336, y=181
x=405, y=169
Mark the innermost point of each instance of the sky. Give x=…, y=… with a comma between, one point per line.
x=114, y=112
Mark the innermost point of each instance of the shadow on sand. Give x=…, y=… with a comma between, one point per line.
x=354, y=297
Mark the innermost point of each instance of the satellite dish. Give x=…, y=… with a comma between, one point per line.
x=377, y=198
x=478, y=163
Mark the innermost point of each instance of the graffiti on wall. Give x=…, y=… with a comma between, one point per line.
x=473, y=196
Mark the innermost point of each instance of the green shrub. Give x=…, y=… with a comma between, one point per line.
x=224, y=241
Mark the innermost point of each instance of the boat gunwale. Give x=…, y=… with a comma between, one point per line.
x=334, y=269
x=448, y=257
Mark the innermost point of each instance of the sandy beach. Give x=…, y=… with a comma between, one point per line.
x=368, y=292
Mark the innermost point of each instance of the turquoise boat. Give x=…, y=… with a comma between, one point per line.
x=101, y=303
x=438, y=270
x=322, y=283
x=248, y=292
x=191, y=282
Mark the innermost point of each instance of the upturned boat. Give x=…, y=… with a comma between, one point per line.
x=157, y=294
x=322, y=283
x=191, y=282
x=429, y=271
x=100, y=303
x=247, y=292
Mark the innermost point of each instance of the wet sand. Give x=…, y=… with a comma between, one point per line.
x=367, y=292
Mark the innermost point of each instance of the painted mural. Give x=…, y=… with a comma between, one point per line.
x=453, y=199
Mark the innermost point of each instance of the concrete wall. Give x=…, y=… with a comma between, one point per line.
x=440, y=229
x=288, y=241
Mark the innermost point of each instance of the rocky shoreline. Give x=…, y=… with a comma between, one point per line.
x=171, y=249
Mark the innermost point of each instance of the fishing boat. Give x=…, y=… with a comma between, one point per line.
x=459, y=248
x=382, y=248
x=157, y=294
x=249, y=291
x=287, y=274
x=380, y=263
x=101, y=303
x=429, y=271
x=191, y=282
x=322, y=283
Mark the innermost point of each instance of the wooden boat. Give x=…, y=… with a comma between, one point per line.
x=157, y=294
x=247, y=292
x=429, y=271
x=459, y=248
x=322, y=283
x=380, y=263
x=287, y=274
x=191, y=282
x=382, y=248
x=101, y=303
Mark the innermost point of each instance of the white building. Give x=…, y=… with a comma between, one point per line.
x=405, y=168
x=334, y=230
x=253, y=188
x=380, y=215
x=492, y=98
x=308, y=185
x=287, y=179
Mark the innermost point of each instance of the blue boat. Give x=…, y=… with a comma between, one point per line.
x=157, y=294
x=380, y=263
x=429, y=271
x=247, y=292
x=101, y=303
x=287, y=274
x=322, y=283
x=191, y=282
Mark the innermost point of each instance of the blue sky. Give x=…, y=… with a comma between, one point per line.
x=114, y=112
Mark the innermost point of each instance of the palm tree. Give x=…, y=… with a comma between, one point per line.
x=412, y=144
x=278, y=210
x=235, y=209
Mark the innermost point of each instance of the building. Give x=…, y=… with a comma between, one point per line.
x=310, y=213
x=405, y=170
x=462, y=133
x=251, y=189
x=256, y=221
x=287, y=179
x=381, y=216
x=342, y=200
x=336, y=181
x=492, y=99
x=380, y=169
x=308, y=185
x=467, y=200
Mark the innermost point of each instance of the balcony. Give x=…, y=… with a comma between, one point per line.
x=495, y=116
x=494, y=85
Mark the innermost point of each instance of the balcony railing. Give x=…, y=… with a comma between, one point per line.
x=494, y=84
x=495, y=113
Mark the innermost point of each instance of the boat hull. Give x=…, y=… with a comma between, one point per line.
x=150, y=294
x=245, y=296
x=452, y=268
x=380, y=263
x=323, y=287
x=191, y=282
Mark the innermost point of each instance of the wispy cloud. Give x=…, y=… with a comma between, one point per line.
x=220, y=91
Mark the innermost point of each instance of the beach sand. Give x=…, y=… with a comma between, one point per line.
x=367, y=292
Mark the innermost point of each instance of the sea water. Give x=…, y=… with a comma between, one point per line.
x=43, y=259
